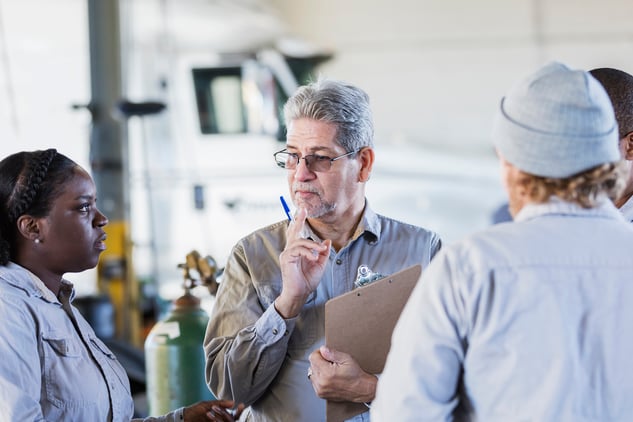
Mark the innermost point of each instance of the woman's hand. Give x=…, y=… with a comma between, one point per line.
x=213, y=410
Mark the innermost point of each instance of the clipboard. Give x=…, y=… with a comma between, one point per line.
x=361, y=322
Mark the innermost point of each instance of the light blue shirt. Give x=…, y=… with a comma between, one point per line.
x=256, y=357
x=525, y=321
x=52, y=365
x=627, y=209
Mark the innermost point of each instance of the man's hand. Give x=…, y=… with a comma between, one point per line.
x=336, y=376
x=212, y=410
x=302, y=264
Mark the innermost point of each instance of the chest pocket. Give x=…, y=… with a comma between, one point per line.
x=306, y=330
x=70, y=378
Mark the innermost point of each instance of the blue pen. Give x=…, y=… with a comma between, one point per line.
x=286, y=209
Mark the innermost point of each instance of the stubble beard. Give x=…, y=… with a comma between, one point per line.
x=317, y=210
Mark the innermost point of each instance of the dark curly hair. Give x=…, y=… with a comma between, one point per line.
x=619, y=87
x=29, y=182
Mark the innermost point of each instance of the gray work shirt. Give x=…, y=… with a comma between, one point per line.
x=52, y=365
x=256, y=357
x=526, y=321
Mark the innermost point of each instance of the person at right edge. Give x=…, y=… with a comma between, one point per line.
x=529, y=320
x=265, y=340
x=619, y=87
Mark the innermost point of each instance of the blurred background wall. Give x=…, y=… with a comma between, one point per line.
x=436, y=69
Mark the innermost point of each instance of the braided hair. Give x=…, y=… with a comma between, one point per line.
x=29, y=182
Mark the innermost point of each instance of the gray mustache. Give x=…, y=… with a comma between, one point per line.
x=304, y=187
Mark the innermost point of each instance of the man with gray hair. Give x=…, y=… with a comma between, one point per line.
x=529, y=320
x=265, y=339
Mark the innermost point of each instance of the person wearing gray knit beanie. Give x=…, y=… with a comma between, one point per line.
x=529, y=319
x=557, y=122
x=553, y=125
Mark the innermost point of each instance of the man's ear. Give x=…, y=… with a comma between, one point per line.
x=627, y=146
x=29, y=227
x=366, y=157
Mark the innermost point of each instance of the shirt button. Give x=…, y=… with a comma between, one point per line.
x=339, y=262
x=275, y=331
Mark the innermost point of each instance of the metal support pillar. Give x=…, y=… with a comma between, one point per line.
x=108, y=159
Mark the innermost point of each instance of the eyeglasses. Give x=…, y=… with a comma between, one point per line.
x=316, y=163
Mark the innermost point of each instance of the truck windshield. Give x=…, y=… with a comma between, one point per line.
x=219, y=100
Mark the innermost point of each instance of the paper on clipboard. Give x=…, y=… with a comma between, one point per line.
x=361, y=322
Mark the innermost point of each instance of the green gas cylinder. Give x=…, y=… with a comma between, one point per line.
x=174, y=358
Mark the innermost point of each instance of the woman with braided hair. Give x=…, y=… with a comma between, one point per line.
x=52, y=365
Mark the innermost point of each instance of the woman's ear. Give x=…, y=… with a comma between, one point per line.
x=366, y=157
x=29, y=227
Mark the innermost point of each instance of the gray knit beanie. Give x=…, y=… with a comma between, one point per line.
x=556, y=123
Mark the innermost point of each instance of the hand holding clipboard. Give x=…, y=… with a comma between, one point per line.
x=361, y=322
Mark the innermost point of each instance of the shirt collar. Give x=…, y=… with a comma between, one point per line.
x=23, y=279
x=556, y=206
x=369, y=225
x=627, y=209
